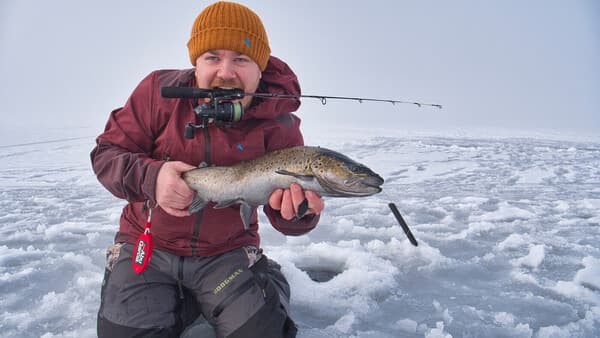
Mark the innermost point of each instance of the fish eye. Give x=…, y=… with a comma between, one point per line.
x=358, y=168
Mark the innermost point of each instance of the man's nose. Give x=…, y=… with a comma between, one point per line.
x=226, y=70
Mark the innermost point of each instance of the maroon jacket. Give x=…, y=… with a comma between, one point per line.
x=149, y=130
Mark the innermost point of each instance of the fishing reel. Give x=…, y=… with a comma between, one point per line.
x=219, y=109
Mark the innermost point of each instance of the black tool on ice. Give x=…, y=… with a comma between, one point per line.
x=403, y=224
x=222, y=110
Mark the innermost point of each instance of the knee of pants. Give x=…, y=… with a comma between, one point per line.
x=109, y=329
x=144, y=301
x=271, y=318
x=270, y=321
x=186, y=312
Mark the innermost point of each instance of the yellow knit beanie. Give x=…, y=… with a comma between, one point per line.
x=228, y=25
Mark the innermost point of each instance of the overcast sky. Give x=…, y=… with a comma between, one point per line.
x=492, y=64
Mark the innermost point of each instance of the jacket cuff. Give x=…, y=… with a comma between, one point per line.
x=292, y=227
x=149, y=184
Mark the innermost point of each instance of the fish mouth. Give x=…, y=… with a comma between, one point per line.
x=356, y=186
x=372, y=181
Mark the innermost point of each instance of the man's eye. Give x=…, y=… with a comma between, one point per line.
x=241, y=60
x=211, y=58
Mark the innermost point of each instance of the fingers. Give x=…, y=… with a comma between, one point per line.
x=281, y=200
x=315, y=202
x=171, y=192
x=179, y=166
x=287, y=207
x=295, y=202
x=275, y=199
x=297, y=196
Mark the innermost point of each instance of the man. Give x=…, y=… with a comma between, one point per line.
x=207, y=263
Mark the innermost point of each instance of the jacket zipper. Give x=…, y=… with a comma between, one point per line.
x=207, y=146
x=198, y=221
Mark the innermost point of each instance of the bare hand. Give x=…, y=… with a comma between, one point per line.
x=172, y=193
x=287, y=201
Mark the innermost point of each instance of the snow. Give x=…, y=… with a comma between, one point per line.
x=508, y=231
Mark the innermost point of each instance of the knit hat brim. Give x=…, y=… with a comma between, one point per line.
x=228, y=25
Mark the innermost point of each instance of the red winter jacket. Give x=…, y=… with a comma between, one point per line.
x=149, y=130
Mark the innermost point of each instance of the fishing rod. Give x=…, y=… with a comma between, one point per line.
x=235, y=93
x=222, y=110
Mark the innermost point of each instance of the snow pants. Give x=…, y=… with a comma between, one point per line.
x=240, y=293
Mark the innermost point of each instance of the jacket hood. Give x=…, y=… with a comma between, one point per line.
x=277, y=78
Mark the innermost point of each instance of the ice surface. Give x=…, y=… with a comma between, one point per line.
x=508, y=231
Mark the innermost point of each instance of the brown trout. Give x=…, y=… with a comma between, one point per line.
x=250, y=183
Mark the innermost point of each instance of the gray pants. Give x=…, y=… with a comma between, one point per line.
x=240, y=293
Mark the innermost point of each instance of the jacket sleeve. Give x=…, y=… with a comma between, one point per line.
x=287, y=134
x=294, y=227
x=122, y=157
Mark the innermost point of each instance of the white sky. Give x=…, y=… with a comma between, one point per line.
x=503, y=64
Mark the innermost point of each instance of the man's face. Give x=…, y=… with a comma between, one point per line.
x=224, y=68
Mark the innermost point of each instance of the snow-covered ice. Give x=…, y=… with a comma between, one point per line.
x=508, y=231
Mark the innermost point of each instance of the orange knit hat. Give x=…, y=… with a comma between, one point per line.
x=228, y=25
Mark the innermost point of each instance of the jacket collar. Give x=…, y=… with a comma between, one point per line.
x=277, y=78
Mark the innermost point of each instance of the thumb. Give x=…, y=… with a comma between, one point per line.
x=180, y=166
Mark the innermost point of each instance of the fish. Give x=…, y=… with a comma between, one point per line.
x=250, y=183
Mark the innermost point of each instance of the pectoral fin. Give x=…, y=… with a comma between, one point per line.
x=302, y=177
x=198, y=204
x=246, y=211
